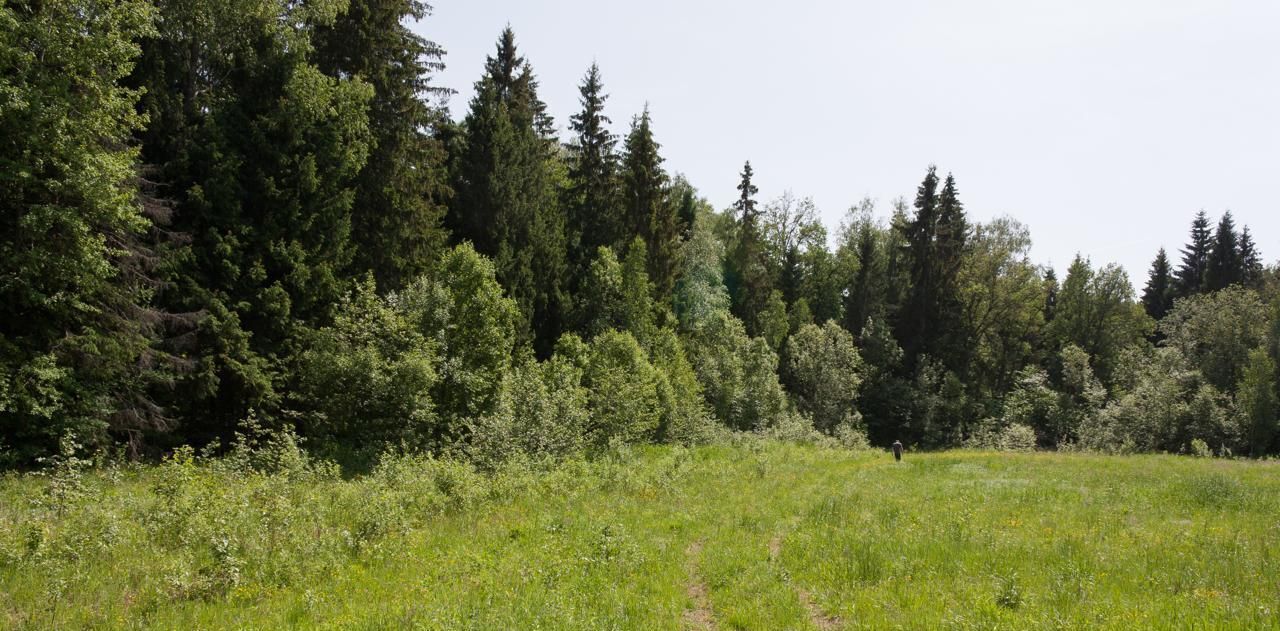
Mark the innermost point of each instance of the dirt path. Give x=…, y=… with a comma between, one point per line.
x=817, y=617
x=700, y=616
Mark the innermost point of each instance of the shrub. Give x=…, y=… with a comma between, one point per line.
x=623, y=391
x=366, y=381
x=462, y=309
x=541, y=412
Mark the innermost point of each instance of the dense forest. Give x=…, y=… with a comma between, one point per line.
x=254, y=214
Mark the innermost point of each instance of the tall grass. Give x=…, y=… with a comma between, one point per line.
x=754, y=536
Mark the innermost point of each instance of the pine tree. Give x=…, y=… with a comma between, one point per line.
x=398, y=210
x=1195, y=258
x=1157, y=296
x=1225, y=266
x=593, y=203
x=748, y=272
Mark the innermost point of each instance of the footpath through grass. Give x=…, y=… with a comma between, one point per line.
x=761, y=536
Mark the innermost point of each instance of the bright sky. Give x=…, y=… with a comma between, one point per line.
x=1104, y=125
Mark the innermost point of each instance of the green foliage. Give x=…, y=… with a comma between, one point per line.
x=929, y=322
x=1001, y=298
x=367, y=379
x=541, y=413
x=1195, y=258
x=78, y=340
x=592, y=196
x=1166, y=404
x=1217, y=331
x=1259, y=403
x=747, y=270
x=506, y=202
x=398, y=206
x=622, y=390
x=1157, y=296
x=462, y=310
x=1095, y=311
x=738, y=373
x=823, y=372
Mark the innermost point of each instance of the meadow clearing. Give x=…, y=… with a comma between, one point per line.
x=756, y=535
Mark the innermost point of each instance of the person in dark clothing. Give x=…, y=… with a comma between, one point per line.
x=897, y=450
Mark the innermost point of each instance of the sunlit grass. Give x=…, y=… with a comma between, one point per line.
x=754, y=536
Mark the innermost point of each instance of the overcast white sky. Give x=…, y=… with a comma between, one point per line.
x=1104, y=125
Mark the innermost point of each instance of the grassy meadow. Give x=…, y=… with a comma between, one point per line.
x=756, y=535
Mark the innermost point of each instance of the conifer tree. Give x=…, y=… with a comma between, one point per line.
x=79, y=333
x=505, y=199
x=1157, y=296
x=1225, y=266
x=593, y=205
x=398, y=210
x=748, y=273
x=262, y=160
x=1250, y=260
x=651, y=215
x=1195, y=258
x=1050, y=294
x=948, y=325
x=913, y=321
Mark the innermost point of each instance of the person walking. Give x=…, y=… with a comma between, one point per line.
x=897, y=450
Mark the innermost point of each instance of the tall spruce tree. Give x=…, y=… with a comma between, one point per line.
x=1157, y=296
x=1225, y=265
x=397, y=214
x=1250, y=260
x=1195, y=258
x=79, y=334
x=948, y=326
x=930, y=321
x=748, y=269
x=506, y=201
x=261, y=152
x=651, y=215
x=593, y=204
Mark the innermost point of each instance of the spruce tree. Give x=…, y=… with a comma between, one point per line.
x=505, y=201
x=1050, y=294
x=79, y=264
x=397, y=214
x=914, y=320
x=261, y=153
x=1157, y=296
x=1225, y=266
x=1250, y=260
x=650, y=214
x=948, y=326
x=1189, y=279
x=593, y=204
x=748, y=271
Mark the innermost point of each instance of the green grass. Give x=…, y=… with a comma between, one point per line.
x=758, y=536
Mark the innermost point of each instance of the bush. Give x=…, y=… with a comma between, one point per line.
x=541, y=413
x=462, y=309
x=738, y=373
x=991, y=434
x=623, y=397
x=366, y=381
